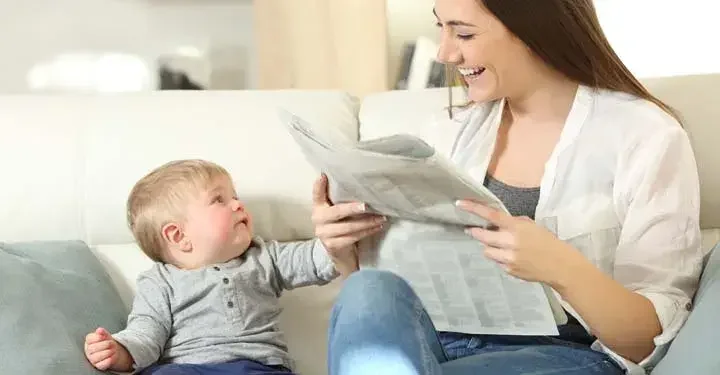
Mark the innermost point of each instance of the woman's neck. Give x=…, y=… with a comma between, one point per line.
x=548, y=100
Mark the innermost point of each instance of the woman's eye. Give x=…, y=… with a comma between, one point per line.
x=465, y=36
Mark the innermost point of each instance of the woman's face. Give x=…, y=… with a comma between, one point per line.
x=493, y=62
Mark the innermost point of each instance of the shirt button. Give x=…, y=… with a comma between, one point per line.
x=226, y=280
x=230, y=304
x=216, y=268
x=688, y=306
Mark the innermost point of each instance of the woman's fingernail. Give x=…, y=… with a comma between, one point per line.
x=459, y=203
x=361, y=207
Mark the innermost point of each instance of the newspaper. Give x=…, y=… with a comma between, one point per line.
x=403, y=178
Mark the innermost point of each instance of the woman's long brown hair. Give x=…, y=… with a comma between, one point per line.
x=567, y=35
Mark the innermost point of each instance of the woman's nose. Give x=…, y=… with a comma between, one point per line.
x=448, y=53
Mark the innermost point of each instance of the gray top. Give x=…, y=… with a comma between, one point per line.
x=522, y=202
x=222, y=312
x=519, y=201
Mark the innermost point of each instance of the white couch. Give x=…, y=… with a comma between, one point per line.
x=69, y=161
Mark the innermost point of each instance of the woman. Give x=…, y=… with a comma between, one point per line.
x=563, y=133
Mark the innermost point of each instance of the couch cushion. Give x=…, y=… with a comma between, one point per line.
x=53, y=294
x=241, y=131
x=694, y=350
x=89, y=151
x=710, y=239
x=400, y=111
x=41, y=163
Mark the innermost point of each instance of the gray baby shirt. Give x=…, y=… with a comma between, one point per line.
x=222, y=312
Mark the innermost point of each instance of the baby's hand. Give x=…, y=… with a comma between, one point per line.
x=104, y=353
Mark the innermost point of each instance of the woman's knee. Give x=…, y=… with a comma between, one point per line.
x=374, y=288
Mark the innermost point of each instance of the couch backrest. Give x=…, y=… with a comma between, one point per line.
x=695, y=97
x=69, y=161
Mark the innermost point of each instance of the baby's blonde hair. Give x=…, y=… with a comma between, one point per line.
x=160, y=196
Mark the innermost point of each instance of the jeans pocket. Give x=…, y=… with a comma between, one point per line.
x=458, y=345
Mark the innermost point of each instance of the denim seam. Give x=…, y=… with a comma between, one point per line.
x=473, y=343
x=428, y=358
x=556, y=371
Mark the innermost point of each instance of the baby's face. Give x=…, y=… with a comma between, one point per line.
x=217, y=225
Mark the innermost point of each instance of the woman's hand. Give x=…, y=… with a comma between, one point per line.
x=341, y=226
x=625, y=321
x=523, y=248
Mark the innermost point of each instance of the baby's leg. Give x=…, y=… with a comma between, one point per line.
x=242, y=367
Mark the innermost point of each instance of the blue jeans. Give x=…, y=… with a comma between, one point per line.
x=240, y=367
x=379, y=326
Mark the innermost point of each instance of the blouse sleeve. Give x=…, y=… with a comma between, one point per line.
x=659, y=254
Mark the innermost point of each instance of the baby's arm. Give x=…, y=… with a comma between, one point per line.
x=104, y=353
x=301, y=263
x=149, y=323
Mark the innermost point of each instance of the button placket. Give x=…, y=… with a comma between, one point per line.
x=228, y=296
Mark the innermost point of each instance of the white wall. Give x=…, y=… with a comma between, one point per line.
x=663, y=37
x=407, y=19
x=35, y=31
x=653, y=37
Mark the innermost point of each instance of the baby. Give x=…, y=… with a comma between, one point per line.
x=210, y=303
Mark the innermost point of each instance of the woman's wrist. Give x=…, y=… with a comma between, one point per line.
x=570, y=269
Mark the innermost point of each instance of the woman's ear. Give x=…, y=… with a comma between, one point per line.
x=175, y=237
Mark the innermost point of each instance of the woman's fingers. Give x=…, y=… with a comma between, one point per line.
x=320, y=191
x=331, y=214
x=340, y=225
x=500, y=239
x=324, y=211
x=504, y=257
x=349, y=227
x=498, y=218
x=343, y=241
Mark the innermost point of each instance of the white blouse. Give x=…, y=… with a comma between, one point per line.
x=621, y=186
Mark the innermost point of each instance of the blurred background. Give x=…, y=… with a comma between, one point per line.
x=361, y=46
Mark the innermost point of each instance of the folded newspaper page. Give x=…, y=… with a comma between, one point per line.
x=403, y=178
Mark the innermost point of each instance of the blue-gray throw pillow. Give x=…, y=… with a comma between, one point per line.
x=51, y=295
x=695, y=349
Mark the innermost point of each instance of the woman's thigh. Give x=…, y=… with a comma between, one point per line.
x=379, y=326
x=531, y=360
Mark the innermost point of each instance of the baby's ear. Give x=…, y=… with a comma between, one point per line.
x=175, y=237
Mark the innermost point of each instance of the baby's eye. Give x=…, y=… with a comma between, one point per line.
x=218, y=199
